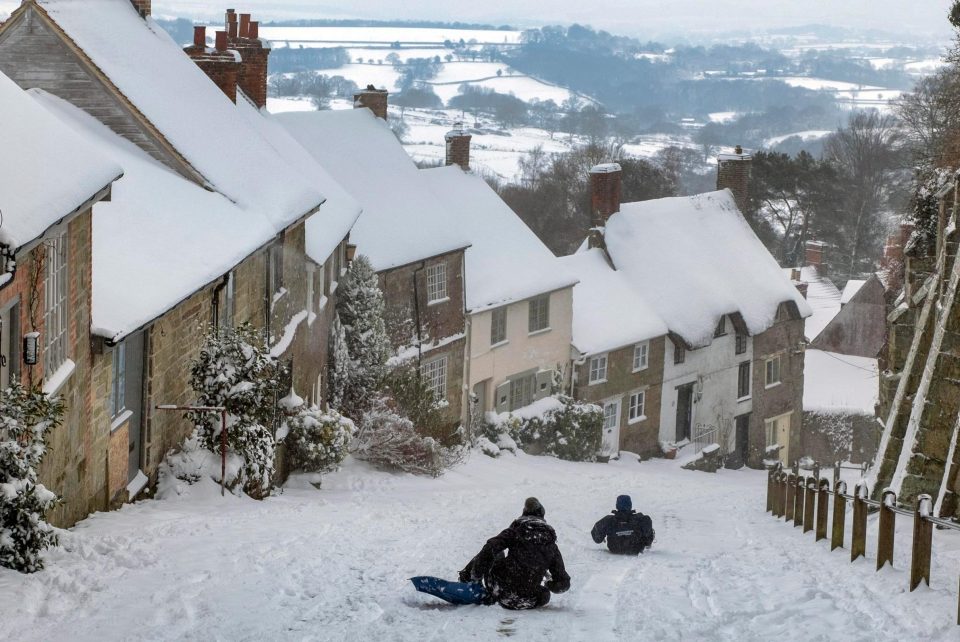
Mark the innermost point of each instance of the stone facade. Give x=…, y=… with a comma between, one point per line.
x=638, y=436
x=828, y=438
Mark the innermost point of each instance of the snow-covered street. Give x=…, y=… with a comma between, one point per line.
x=333, y=564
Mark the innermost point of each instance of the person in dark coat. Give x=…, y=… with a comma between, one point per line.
x=515, y=579
x=627, y=532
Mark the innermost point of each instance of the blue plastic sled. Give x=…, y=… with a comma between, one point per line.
x=453, y=592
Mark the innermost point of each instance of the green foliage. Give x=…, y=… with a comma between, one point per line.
x=26, y=416
x=235, y=370
x=414, y=400
x=570, y=430
x=317, y=440
x=955, y=14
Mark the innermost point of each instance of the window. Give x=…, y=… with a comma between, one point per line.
x=741, y=343
x=783, y=312
x=522, y=390
x=434, y=376
x=638, y=403
x=679, y=353
x=773, y=371
x=275, y=266
x=55, y=304
x=498, y=326
x=539, y=313
x=310, y=276
x=117, y=400
x=229, y=302
x=641, y=356
x=598, y=369
x=437, y=283
x=743, y=380
x=611, y=415
x=721, y=327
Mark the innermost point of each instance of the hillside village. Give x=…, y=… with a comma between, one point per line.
x=196, y=206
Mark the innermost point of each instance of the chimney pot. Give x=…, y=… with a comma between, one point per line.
x=221, y=41
x=200, y=36
x=605, y=186
x=244, y=24
x=813, y=255
x=374, y=99
x=253, y=30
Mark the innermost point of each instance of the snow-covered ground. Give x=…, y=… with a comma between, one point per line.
x=333, y=564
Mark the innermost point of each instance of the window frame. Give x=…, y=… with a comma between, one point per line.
x=721, y=329
x=436, y=280
x=644, y=348
x=436, y=383
x=498, y=326
x=740, y=380
x=770, y=364
x=612, y=403
x=56, y=289
x=538, y=307
x=602, y=363
x=740, y=344
x=679, y=354
x=118, y=382
x=633, y=416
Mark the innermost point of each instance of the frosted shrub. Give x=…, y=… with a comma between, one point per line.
x=25, y=418
x=389, y=440
x=561, y=427
x=235, y=370
x=317, y=440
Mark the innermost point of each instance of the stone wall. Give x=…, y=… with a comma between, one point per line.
x=828, y=438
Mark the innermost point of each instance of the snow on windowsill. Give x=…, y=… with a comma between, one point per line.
x=636, y=370
x=289, y=332
x=536, y=332
x=744, y=399
x=278, y=295
x=636, y=420
x=138, y=484
x=322, y=303
x=55, y=381
x=597, y=382
x=438, y=301
x=772, y=385
x=311, y=317
x=120, y=420
x=494, y=346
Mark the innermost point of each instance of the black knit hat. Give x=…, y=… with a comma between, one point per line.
x=533, y=507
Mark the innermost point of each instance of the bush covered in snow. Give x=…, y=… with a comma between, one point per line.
x=317, y=440
x=235, y=370
x=414, y=400
x=558, y=426
x=389, y=439
x=25, y=418
x=364, y=343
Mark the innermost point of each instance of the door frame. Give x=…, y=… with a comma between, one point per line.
x=686, y=388
x=615, y=451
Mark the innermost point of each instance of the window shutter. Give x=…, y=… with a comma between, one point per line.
x=502, y=401
x=544, y=384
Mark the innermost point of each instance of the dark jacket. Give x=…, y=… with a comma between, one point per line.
x=516, y=579
x=626, y=532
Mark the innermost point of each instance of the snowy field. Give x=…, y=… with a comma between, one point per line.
x=333, y=564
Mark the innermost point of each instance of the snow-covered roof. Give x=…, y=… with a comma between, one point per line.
x=506, y=261
x=608, y=313
x=850, y=290
x=46, y=170
x=823, y=297
x=189, y=110
x=326, y=228
x=840, y=384
x=696, y=259
x=402, y=220
x=160, y=238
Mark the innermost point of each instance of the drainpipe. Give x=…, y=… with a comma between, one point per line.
x=416, y=316
x=216, y=299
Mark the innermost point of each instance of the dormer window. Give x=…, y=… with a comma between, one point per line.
x=721, y=327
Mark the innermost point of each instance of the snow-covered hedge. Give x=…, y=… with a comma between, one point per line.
x=388, y=439
x=25, y=418
x=317, y=440
x=558, y=426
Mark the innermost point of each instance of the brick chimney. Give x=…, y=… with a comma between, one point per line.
x=797, y=277
x=605, y=182
x=813, y=255
x=458, y=147
x=373, y=99
x=733, y=173
x=220, y=65
x=142, y=7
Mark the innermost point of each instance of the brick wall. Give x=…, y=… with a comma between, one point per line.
x=733, y=173
x=458, y=149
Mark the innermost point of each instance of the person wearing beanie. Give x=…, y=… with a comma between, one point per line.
x=627, y=532
x=530, y=570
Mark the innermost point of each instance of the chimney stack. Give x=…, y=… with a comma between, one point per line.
x=221, y=41
x=244, y=25
x=813, y=255
x=219, y=65
x=458, y=147
x=200, y=37
x=142, y=7
x=733, y=173
x=254, y=30
x=604, y=192
x=231, y=24
x=373, y=99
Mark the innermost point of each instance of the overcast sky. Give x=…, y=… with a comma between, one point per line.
x=643, y=17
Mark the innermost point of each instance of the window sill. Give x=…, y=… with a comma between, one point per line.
x=637, y=420
x=536, y=332
x=494, y=346
x=743, y=399
x=636, y=370
x=55, y=382
x=597, y=382
x=438, y=301
x=120, y=420
x=772, y=385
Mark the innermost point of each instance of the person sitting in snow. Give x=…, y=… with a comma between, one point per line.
x=627, y=532
x=516, y=579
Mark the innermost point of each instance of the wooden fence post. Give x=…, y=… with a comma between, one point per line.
x=798, y=506
x=839, y=514
x=823, y=500
x=858, y=545
x=885, y=534
x=778, y=490
x=770, y=489
x=810, y=503
x=922, y=542
x=790, y=496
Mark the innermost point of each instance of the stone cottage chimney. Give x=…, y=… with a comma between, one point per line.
x=813, y=255
x=220, y=65
x=605, y=183
x=458, y=147
x=733, y=173
x=142, y=7
x=373, y=99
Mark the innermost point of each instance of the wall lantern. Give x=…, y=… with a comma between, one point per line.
x=351, y=251
x=31, y=348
